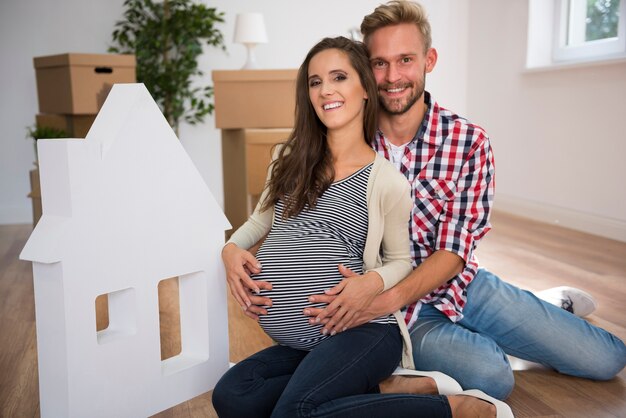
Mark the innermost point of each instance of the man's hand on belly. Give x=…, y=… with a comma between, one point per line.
x=351, y=303
x=376, y=309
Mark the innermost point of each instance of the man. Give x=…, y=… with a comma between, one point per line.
x=463, y=320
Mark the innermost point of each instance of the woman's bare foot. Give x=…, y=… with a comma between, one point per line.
x=415, y=385
x=470, y=407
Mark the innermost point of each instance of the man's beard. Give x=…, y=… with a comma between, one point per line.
x=395, y=106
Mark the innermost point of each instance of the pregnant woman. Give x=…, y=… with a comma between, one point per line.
x=329, y=200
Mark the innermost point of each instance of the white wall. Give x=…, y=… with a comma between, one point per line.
x=559, y=136
x=30, y=28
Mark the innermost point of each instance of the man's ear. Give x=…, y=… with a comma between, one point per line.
x=431, y=59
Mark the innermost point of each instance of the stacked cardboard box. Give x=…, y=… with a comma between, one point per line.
x=71, y=88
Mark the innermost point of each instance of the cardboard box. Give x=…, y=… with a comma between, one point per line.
x=259, y=146
x=78, y=84
x=76, y=126
x=254, y=98
x=35, y=195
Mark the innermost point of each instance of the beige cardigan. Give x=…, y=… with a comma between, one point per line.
x=389, y=207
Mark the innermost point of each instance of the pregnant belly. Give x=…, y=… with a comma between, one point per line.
x=292, y=284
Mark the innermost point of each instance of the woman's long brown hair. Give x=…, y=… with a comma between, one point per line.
x=304, y=168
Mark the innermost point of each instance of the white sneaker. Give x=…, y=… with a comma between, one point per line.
x=571, y=299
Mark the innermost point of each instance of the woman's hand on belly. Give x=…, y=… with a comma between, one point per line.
x=257, y=309
x=239, y=264
x=353, y=295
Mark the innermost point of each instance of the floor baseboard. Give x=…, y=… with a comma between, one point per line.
x=567, y=218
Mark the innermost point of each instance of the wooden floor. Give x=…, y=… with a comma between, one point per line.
x=529, y=254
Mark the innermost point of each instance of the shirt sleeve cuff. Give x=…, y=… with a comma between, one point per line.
x=456, y=239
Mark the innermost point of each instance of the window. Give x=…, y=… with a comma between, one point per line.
x=169, y=317
x=562, y=33
x=183, y=322
x=116, y=315
x=589, y=29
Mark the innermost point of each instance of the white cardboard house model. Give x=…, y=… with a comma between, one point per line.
x=124, y=209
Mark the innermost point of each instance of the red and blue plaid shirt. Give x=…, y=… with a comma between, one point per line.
x=450, y=166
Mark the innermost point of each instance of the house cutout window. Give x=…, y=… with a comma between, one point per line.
x=102, y=312
x=169, y=318
x=121, y=314
x=193, y=320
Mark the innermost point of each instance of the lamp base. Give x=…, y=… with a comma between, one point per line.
x=251, y=63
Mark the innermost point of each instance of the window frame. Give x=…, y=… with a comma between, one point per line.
x=584, y=51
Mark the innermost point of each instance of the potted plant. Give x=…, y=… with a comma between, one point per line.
x=166, y=38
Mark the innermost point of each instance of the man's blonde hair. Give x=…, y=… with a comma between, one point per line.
x=394, y=13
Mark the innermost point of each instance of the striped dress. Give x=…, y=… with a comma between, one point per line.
x=300, y=257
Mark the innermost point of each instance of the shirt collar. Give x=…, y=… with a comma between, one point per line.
x=427, y=131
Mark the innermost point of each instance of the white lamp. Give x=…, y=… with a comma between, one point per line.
x=250, y=30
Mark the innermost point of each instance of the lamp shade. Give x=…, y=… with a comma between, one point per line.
x=250, y=29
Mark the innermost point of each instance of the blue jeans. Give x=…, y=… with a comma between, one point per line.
x=501, y=319
x=338, y=378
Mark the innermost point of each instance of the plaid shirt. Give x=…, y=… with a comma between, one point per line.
x=450, y=166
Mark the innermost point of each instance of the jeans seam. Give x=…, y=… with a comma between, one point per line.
x=266, y=364
x=335, y=375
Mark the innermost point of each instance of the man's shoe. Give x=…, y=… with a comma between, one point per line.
x=571, y=299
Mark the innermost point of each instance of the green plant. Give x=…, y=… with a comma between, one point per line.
x=166, y=38
x=45, y=132
x=602, y=19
